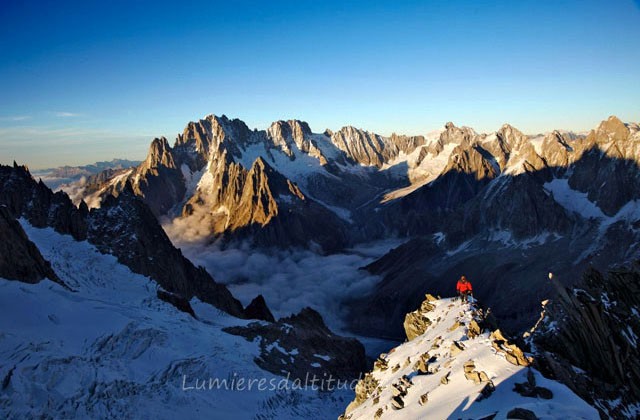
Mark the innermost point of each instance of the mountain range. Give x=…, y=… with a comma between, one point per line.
x=557, y=202
x=504, y=208
x=55, y=177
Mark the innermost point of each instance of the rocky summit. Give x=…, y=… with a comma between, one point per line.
x=454, y=366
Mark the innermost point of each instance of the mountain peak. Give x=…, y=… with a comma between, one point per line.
x=610, y=131
x=284, y=133
x=260, y=164
x=613, y=124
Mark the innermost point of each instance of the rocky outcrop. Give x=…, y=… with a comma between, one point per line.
x=459, y=136
x=417, y=322
x=512, y=353
x=370, y=149
x=20, y=259
x=522, y=414
x=301, y=346
x=365, y=388
x=360, y=146
x=179, y=302
x=159, y=178
x=595, y=327
x=258, y=309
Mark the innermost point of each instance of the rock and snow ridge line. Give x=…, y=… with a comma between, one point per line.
x=302, y=156
x=452, y=368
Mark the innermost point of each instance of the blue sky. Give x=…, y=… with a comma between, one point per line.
x=87, y=81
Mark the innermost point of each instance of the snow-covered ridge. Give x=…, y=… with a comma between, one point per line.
x=455, y=369
x=112, y=349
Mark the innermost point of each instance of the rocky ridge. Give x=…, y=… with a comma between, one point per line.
x=20, y=259
x=453, y=366
x=587, y=338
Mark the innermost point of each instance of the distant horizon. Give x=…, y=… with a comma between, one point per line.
x=172, y=138
x=82, y=81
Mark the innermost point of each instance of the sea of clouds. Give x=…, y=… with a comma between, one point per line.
x=289, y=280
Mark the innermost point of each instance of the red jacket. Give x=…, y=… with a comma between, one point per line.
x=463, y=287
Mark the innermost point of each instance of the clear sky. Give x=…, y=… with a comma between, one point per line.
x=82, y=81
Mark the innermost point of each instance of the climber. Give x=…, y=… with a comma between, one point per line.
x=464, y=289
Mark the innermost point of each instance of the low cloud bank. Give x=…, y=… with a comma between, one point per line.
x=289, y=280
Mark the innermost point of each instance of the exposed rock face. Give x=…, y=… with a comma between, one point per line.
x=365, y=388
x=364, y=147
x=461, y=136
x=417, y=322
x=371, y=149
x=220, y=176
x=20, y=259
x=161, y=184
x=522, y=414
x=258, y=309
x=518, y=205
x=24, y=197
x=302, y=346
x=595, y=327
x=512, y=353
x=286, y=135
x=262, y=205
x=125, y=227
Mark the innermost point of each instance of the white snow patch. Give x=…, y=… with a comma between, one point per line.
x=421, y=173
x=438, y=237
x=460, y=248
x=507, y=239
x=572, y=200
x=536, y=142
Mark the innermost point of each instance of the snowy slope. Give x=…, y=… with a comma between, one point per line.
x=460, y=397
x=112, y=349
x=572, y=200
